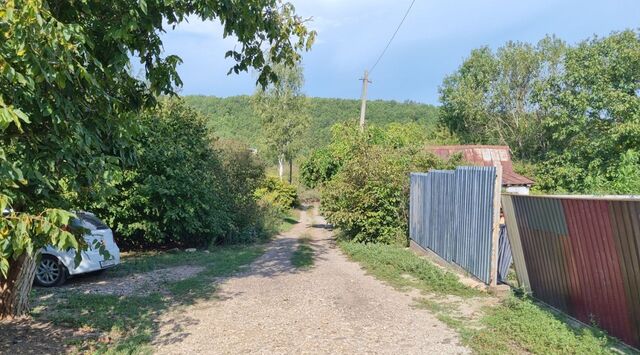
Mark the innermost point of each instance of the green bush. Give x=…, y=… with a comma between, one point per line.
x=615, y=175
x=324, y=163
x=244, y=174
x=368, y=199
x=278, y=193
x=183, y=191
x=319, y=167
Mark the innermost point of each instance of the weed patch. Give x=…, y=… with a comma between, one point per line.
x=393, y=264
x=518, y=325
x=302, y=258
x=289, y=220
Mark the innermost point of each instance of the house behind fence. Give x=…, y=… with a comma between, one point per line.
x=580, y=255
x=488, y=155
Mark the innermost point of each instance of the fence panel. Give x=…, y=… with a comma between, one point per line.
x=580, y=255
x=504, y=255
x=451, y=213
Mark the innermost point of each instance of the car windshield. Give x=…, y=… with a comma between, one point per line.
x=89, y=219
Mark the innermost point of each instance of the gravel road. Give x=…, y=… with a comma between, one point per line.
x=332, y=308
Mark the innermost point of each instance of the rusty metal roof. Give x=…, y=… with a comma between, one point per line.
x=485, y=155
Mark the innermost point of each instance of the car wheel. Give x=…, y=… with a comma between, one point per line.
x=50, y=272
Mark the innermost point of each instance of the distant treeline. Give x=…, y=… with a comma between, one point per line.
x=234, y=117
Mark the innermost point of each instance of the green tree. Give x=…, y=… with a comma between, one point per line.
x=283, y=109
x=493, y=97
x=593, y=120
x=572, y=111
x=68, y=101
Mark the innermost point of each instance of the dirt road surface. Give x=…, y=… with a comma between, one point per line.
x=334, y=307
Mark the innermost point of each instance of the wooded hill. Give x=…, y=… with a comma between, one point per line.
x=234, y=117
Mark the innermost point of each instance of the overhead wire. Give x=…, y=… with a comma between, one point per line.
x=392, y=37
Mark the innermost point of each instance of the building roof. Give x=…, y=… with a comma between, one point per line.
x=485, y=155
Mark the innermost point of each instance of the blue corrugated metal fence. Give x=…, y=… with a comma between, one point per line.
x=504, y=255
x=451, y=213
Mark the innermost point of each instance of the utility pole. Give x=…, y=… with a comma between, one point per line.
x=363, y=108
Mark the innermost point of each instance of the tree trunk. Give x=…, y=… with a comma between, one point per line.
x=290, y=171
x=15, y=289
x=281, y=166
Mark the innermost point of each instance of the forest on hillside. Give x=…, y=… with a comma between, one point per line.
x=235, y=118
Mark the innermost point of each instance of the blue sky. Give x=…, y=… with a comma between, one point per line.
x=433, y=42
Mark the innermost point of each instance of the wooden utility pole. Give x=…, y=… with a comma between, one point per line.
x=363, y=108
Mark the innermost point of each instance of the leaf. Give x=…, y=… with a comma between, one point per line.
x=4, y=267
x=143, y=6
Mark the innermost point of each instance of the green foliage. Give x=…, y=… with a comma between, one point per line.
x=182, y=191
x=318, y=167
x=594, y=121
x=275, y=192
x=323, y=163
x=235, y=118
x=403, y=268
x=243, y=174
x=282, y=107
x=492, y=97
x=368, y=197
x=572, y=111
x=519, y=325
x=66, y=89
x=68, y=101
x=23, y=233
x=302, y=258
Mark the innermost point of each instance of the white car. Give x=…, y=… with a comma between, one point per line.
x=56, y=265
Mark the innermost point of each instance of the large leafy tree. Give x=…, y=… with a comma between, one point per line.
x=492, y=97
x=282, y=108
x=573, y=111
x=593, y=120
x=68, y=100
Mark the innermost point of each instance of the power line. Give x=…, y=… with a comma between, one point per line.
x=392, y=37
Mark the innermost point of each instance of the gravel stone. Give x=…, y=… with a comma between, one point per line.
x=138, y=284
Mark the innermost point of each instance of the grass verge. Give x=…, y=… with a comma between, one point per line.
x=129, y=323
x=303, y=258
x=512, y=325
x=519, y=325
x=289, y=220
x=400, y=267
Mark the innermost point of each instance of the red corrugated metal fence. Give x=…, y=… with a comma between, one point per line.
x=582, y=256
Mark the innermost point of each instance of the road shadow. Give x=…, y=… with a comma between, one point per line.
x=27, y=336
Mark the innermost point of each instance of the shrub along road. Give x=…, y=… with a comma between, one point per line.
x=328, y=306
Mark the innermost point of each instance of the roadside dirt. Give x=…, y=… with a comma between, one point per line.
x=30, y=336
x=26, y=336
x=139, y=284
x=334, y=307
